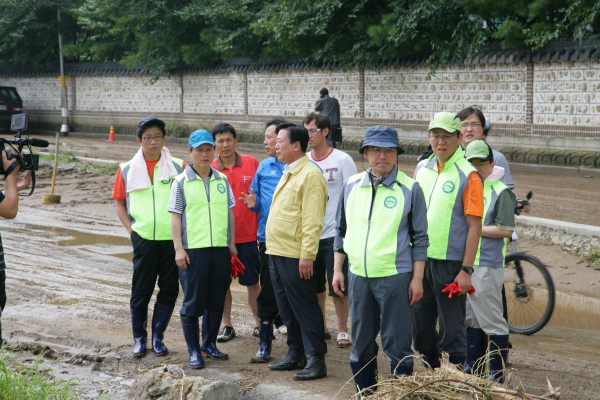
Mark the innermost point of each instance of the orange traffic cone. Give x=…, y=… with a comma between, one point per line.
x=111, y=135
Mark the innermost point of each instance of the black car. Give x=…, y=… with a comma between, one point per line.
x=10, y=103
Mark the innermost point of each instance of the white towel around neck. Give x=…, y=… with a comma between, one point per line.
x=138, y=179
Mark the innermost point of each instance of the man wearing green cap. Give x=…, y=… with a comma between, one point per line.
x=454, y=194
x=382, y=227
x=484, y=311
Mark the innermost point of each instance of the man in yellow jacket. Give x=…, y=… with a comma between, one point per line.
x=293, y=231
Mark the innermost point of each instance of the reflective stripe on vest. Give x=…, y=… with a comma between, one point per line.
x=445, y=209
x=377, y=240
x=204, y=223
x=491, y=252
x=147, y=208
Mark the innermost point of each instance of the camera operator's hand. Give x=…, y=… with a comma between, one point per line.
x=9, y=201
x=6, y=163
x=24, y=181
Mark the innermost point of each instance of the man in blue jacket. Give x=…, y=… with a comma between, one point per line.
x=259, y=199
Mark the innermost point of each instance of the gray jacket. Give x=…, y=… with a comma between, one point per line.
x=330, y=107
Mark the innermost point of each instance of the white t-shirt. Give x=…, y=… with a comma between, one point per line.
x=337, y=167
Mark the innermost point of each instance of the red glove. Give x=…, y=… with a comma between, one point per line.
x=237, y=268
x=452, y=289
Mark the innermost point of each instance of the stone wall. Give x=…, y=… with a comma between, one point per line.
x=566, y=100
x=546, y=104
x=126, y=94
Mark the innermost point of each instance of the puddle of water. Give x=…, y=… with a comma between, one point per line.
x=103, y=244
x=571, y=332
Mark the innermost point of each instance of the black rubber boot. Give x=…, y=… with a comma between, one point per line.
x=497, y=344
x=315, y=369
x=160, y=321
x=432, y=357
x=401, y=369
x=210, y=330
x=293, y=359
x=475, y=365
x=365, y=376
x=458, y=360
x=266, y=339
x=139, y=319
x=192, y=339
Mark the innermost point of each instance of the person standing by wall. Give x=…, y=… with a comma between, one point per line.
x=330, y=107
x=239, y=170
x=382, y=227
x=259, y=200
x=484, y=315
x=293, y=230
x=337, y=167
x=203, y=228
x=454, y=194
x=141, y=194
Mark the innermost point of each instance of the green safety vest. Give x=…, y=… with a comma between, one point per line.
x=147, y=208
x=377, y=240
x=204, y=223
x=491, y=252
x=445, y=211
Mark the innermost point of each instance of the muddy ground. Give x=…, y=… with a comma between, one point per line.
x=69, y=272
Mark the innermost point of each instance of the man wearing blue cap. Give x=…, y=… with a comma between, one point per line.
x=382, y=228
x=202, y=224
x=141, y=194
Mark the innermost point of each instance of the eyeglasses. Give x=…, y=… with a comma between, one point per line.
x=151, y=138
x=472, y=125
x=385, y=150
x=445, y=138
x=313, y=131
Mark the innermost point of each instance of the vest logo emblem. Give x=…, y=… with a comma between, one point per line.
x=390, y=202
x=448, y=187
x=221, y=188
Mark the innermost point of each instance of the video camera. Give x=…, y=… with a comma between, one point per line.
x=28, y=161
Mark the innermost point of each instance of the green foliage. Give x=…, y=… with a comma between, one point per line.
x=160, y=35
x=593, y=257
x=178, y=131
x=20, y=382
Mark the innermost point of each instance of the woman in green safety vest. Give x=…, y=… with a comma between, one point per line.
x=203, y=230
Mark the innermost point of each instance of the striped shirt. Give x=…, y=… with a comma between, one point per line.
x=177, y=202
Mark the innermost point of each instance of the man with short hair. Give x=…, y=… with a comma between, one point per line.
x=484, y=311
x=330, y=107
x=454, y=193
x=293, y=230
x=239, y=170
x=472, y=127
x=337, y=167
x=382, y=227
x=259, y=199
x=141, y=193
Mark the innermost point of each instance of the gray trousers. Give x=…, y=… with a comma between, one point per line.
x=381, y=304
x=298, y=306
x=436, y=305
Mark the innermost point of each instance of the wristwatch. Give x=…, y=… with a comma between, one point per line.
x=468, y=270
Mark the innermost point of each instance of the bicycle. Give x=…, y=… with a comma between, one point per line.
x=529, y=288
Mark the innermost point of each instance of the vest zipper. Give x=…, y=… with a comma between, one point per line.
x=209, y=214
x=433, y=189
x=154, y=209
x=369, y=227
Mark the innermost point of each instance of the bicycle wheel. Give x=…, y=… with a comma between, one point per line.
x=529, y=293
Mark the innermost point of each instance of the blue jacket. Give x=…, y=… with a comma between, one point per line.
x=265, y=181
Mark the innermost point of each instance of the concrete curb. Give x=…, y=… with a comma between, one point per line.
x=571, y=228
